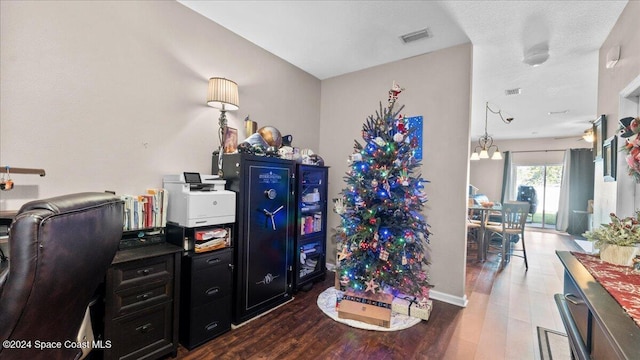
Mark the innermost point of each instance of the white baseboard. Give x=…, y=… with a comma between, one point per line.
x=448, y=298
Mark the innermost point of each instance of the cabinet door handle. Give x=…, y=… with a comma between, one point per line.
x=145, y=296
x=573, y=299
x=144, y=328
x=213, y=261
x=212, y=291
x=211, y=326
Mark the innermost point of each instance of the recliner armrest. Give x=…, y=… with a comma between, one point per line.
x=4, y=272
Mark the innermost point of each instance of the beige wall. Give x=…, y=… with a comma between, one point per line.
x=111, y=95
x=438, y=87
x=618, y=196
x=486, y=174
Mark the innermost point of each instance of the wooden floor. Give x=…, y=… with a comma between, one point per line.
x=500, y=321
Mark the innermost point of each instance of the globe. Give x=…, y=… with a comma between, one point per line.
x=271, y=135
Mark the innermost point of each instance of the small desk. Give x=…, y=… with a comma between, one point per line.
x=484, y=217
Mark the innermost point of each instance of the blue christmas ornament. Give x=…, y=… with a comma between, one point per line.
x=361, y=166
x=371, y=148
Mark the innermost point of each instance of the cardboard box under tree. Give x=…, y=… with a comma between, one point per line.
x=370, y=308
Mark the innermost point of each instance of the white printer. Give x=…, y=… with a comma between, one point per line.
x=199, y=200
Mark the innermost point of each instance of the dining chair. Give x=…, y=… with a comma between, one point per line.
x=510, y=230
x=474, y=222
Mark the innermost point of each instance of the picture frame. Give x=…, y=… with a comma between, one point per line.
x=609, y=155
x=600, y=134
x=230, y=140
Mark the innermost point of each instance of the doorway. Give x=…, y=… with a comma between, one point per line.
x=540, y=186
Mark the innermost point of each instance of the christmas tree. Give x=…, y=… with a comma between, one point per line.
x=383, y=234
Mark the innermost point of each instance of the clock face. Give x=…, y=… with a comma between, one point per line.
x=268, y=233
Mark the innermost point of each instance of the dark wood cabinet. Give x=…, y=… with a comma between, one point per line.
x=263, y=233
x=597, y=326
x=141, y=303
x=311, y=229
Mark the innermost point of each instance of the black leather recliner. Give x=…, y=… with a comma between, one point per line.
x=60, y=250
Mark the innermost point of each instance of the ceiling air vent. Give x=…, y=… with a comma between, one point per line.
x=416, y=35
x=516, y=91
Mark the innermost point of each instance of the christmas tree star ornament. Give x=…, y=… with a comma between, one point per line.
x=371, y=286
x=344, y=254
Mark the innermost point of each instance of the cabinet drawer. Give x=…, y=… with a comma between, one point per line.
x=205, y=261
x=143, y=334
x=211, y=284
x=209, y=320
x=132, y=299
x=577, y=307
x=142, y=272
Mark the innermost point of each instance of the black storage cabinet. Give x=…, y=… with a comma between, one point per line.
x=311, y=229
x=263, y=233
x=205, y=310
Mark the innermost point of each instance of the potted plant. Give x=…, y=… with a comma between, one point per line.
x=618, y=240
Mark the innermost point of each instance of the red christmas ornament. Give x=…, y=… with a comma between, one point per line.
x=372, y=221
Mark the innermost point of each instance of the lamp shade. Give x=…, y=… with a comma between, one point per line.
x=496, y=155
x=474, y=156
x=223, y=94
x=484, y=154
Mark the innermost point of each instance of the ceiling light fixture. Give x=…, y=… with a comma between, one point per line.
x=485, y=142
x=612, y=57
x=536, y=55
x=588, y=135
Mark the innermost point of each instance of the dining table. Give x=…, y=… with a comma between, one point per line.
x=483, y=213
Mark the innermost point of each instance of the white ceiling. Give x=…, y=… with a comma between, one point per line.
x=330, y=38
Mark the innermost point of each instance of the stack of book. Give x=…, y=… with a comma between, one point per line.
x=145, y=211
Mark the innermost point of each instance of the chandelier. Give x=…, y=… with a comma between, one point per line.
x=485, y=142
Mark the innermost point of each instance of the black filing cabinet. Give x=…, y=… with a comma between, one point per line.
x=206, y=296
x=141, y=303
x=264, y=231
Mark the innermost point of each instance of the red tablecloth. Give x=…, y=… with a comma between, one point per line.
x=620, y=281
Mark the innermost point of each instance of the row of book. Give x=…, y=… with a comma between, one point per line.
x=145, y=211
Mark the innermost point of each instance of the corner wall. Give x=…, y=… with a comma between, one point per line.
x=438, y=87
x=617, y=196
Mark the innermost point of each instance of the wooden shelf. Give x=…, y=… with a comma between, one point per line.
x=16, y=170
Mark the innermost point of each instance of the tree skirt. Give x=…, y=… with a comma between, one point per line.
x=327, y=303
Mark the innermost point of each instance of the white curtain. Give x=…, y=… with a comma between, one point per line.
x=562, y=221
